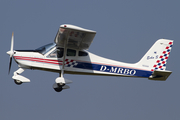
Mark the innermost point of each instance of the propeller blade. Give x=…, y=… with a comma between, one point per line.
x=10, y=62
x=12, y=41
x=11, y=52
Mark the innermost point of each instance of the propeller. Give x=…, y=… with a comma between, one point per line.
x=11, y=52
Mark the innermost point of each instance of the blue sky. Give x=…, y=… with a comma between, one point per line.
x=126, y=29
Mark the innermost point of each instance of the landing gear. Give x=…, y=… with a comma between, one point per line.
x=58, y=87
x=18, y=82
x=19, y=79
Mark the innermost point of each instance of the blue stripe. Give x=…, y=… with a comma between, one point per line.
x=114, y=69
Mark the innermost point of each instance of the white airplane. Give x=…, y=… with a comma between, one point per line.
x=68, y=55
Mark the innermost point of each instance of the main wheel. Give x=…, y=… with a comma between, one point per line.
x=18, y=82
x=57, y=87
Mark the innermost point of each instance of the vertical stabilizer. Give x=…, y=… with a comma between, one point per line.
x=157, y=55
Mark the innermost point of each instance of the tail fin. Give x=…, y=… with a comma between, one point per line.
x=156, y=57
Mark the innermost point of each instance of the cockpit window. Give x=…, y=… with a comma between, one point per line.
x=58, y=53
x=53, y=54
x=44, y=49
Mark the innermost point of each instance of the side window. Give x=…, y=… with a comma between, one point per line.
x=57, y=53
x=71, y=52
x=60, y=52
x=82, y=53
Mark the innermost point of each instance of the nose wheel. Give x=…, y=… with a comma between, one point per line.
x=18, y=82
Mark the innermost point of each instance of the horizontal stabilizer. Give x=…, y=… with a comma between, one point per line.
x=160, y=75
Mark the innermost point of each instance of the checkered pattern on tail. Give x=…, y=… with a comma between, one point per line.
x=70, y=63
x=162, y=60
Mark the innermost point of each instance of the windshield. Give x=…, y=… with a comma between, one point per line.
x=44, y=49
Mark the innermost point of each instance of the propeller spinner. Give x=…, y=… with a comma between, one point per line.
x=11, y=52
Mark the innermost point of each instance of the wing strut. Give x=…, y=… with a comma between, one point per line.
x=64, y=55
x=61, y=80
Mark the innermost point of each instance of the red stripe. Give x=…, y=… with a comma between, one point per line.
x=39, y=60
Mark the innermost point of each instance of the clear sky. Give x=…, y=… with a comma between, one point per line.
x=126, y=29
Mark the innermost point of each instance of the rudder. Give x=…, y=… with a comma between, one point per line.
x=157, y=55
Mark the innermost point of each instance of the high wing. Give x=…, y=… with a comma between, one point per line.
x=74, y=37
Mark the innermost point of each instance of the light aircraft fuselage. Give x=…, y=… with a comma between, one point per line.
x=68, y=55
x=76, y=62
